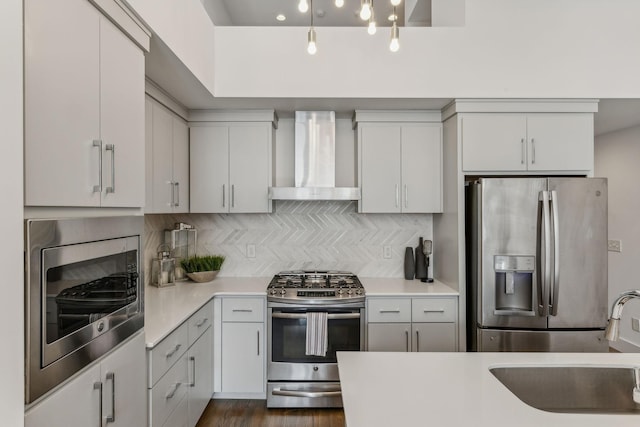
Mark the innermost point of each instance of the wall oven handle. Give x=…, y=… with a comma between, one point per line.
x=300, y=393
x=98, y=386
x=112, y=418
x=279, y=315
x=172, y=352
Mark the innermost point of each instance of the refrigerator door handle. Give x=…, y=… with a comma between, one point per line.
x=555, y=283
x=543, y=305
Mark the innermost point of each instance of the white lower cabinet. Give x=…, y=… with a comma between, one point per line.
x=241, y=361
x=412, y=324
x=181, y=372
x=109, y=393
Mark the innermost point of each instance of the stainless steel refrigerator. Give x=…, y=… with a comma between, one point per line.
x=537, y=264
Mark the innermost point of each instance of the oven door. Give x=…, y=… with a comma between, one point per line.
x=287, y=342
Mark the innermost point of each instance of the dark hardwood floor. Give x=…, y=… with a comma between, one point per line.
x=254, y=413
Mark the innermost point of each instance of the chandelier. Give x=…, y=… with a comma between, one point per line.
x=366, y=14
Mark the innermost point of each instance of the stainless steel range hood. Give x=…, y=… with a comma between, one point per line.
x=315, y=161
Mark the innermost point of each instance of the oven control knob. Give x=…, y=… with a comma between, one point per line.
x=315, y=368
x=359, y=291
x=340, y=291
x=282, y=291
x=272, y=292
x=349, y=291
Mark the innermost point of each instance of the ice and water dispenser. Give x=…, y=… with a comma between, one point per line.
x=514, y=285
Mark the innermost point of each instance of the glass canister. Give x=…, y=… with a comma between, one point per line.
x=163, y=268
x=182, y=241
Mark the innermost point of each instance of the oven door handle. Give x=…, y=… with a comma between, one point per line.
x=280, y=315
x=300, y=393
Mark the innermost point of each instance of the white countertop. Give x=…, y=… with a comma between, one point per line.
x=166, y=308
x=380, y=287
x=456, y=389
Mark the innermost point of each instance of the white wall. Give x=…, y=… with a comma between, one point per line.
x=507, y=48
x=616, y=157
x=11, y=249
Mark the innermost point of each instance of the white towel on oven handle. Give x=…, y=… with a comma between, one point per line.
x=317, y=334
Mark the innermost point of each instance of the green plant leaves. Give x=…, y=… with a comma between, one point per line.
x=198, y=263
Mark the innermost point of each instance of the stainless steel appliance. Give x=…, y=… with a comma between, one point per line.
x=296, y=379
x=537, y=264
x=84, y=294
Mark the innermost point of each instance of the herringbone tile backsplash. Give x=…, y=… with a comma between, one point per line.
x=300, y=236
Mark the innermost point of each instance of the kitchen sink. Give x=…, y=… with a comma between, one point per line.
x=574, y=389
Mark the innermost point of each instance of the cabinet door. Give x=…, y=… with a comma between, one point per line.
x=162, y=181
x=62, y=103
x=494, y=142
x=249, y=167
x=421, y=168
x=76, y=404
x=434, y=337
x=560, y=142
x=209, y=169
x=124, y=374
x=380, y=168
x=148, y=154
x=200, y=375
x=180, y=165
x=121, y=117
x=388, y=337
x=242, y=358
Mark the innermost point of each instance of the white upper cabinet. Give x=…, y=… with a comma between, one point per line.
x=168, y=160
x=231, y=167
x=84, y=108
x=400, y=167
x=527, y=142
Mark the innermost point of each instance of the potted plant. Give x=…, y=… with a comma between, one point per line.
x=202, y=268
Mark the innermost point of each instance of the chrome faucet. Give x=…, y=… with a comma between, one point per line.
x=613, y=328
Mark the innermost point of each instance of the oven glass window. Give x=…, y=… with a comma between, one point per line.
x=288, y=339
x=80, y=293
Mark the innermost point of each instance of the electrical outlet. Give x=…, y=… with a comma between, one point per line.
x=635, y=324
x=614, y=246
x=251, y=251
x=386, y=251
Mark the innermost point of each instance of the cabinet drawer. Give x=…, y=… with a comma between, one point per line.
x=168, y=392
x=165, y=354
x=434, y=310
x=389, y=310
x=178, y=417
x=243, y=310
x=199, y=322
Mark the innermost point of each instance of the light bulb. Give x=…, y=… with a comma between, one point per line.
x=395, y=2
x=372, y=27
x=395, y=39
x=339, y=3
x=311, y=45
x=365, y=12
x=303, y=6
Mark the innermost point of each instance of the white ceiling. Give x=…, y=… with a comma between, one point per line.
x=326, y=14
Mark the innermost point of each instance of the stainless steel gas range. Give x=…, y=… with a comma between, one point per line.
x=295, y=378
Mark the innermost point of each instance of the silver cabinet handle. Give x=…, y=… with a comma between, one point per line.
x=397, y=195
x=522, y=151
x=311, y=394
x=242, y=310
x=258, y=342
x=397, y=310
x=440, y=310
x=202, y=322
x=417, y=340
x=406, y=333
x=406, y=196
x=173, y=390
x=172, y=352
x=233, y=196
x=223, y=195
x=533, y=151
x=193, y=370
x=98, y=386
x=177, y=187
x=555, y=284
x=304, y=316
x=172, y=193
x=112, y=377
x=98, y=188
x=112, y=148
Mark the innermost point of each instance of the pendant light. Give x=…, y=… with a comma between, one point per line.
x=339, y=3
x=371, y=28
x=395, y=3
x=394, y=45
x=311, y=36
x=365, y=11
x=303, y=6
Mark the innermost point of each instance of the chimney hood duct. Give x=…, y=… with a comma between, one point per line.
x=315, y=161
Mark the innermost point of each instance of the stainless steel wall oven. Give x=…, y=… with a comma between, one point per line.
x=84, y=294
x=295, y=378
